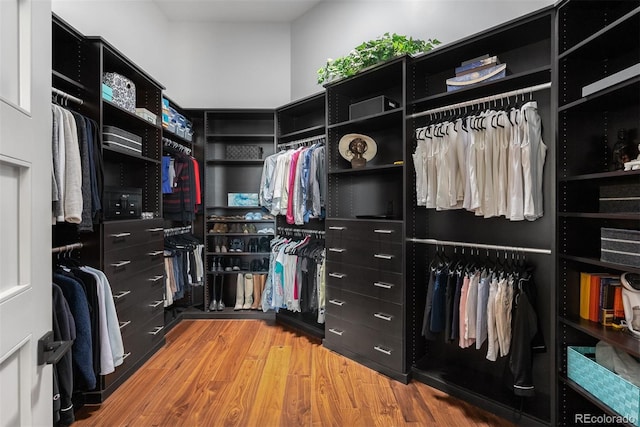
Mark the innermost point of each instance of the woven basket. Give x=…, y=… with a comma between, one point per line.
x=611, y=389
x=243, y=152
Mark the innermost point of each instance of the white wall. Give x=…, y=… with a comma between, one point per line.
x=334, y=27
x=214, y=65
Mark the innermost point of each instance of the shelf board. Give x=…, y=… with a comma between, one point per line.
x=116, y=108
x=604, y=32
x=598, y=263
x=122, y=152
x=363, y=219
x=230, y=313
x=241, y=234
x=621, y=93
x=241, y=220
x=384, y=114
x=535, y=75
x=368, y=169
x=601, y=215
x=172, y=135
x=235, y=162
x=263, y=254
x=319, y=128
x=240, y=135
x=69, y=80
x=600, y=175
x=233, y=207
x=591, y=398
x=619, y=339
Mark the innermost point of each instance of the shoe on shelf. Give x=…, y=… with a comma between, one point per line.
x=213, y=306
x=220, y=306
x=264, y=245
x=265, y=231
x=236, y=264
x=245, y=228
x=226, y=263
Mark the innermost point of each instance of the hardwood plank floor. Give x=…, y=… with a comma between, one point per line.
x=251, y=373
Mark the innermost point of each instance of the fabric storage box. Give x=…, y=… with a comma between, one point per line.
x=620, y=246
x=372, y=106
x=124, y=90
x=608, y=387
x=482, y=76
x=243, y=152
x=242, y=199
x=146, y=115
x=121, y=139
x=122, y=203
x=620, y=198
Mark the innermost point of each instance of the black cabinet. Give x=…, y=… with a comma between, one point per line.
x=236, y=144
x=596, y=41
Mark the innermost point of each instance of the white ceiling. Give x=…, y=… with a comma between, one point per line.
x=235, y=10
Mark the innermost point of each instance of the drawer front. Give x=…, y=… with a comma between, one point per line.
x=142, y=297
x=364, y=341
x=383, y=285
x=119, y=235
x=342, y=333
x=137, y=341
x=129, y=262
x=383, y=256
x=382, y=316
x=389, y=231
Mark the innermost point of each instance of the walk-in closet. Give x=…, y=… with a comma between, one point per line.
x=243, y=213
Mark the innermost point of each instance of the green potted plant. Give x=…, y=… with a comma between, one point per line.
x=373, y=52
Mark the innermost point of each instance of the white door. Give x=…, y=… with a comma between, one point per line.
x=25, y=210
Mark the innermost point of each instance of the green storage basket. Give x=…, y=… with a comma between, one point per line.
x=608, y=387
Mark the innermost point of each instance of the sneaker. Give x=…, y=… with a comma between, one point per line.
x=220, y=305
x=236, y=264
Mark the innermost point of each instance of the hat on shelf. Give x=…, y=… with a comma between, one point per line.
x=345, y=142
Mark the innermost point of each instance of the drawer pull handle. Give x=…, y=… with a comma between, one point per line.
x=383, y=316
x=383, y=256
x=337, y=228
x=124, y=356
x=336, y=302
x=382, y=231
x=121, y=294
x=155, y=279
x=382, y=350
x=120, y=235
x=338, y=275
x=338, y=250
x=155, y=230
x=383, y=285
x=123, y=324
x=155, y=253
x=155, y=304
x=120, y=264
x=336, y=331
x=157, y=330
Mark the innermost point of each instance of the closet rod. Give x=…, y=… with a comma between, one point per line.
x=300, y=230
x=170, y=143
x=302, y=141
x=66, y=96
x=480, y=246
x=489, y=98
x=66, y=248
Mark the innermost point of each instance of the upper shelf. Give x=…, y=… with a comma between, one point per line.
x=131, y=118
x=614, y=97
x=600, y=175
x=377, y=120
x=619, y=339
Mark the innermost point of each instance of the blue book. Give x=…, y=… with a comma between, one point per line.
x=463, y=69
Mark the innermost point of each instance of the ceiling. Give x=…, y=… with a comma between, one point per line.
x=235, y=10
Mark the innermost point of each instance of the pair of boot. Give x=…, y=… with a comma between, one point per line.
x=216, y=297
x=249, y=288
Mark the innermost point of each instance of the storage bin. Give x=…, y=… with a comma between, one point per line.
x=608, y=387
x=243, y=152
x=242, y=199
x=124, y=90
x=372, y=106
x=620, y=246
x=121, y=139
x=147, y=115
x=620, y=198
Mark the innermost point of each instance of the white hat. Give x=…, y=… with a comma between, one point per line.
x=343, y=146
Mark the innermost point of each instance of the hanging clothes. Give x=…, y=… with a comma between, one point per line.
x=181, y=186
x=490, y=163
x=292, y=184
x=294, y=278
x=183, y=264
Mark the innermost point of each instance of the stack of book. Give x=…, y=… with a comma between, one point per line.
x=482, y=69
x=601, y=298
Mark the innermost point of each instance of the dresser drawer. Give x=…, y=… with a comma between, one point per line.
x=119, y=235
x=379, y=284
x=364, y=341
x=383, y=256
x=128, y=262
x=137, y=340
x=389, y=231
x=380, y=315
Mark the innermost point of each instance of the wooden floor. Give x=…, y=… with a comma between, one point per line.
x=250, y=373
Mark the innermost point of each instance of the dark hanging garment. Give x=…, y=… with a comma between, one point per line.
x=88, y=280
x=87, y=220
x=63, y=330
x=95, y=164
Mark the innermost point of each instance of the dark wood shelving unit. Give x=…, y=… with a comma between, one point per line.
x=598, y=263
x=120, y=152
x=319, y=129
x=69, y=80
x=618, y=338
x=381, y=119
x=238, y=162
x=368, y=169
